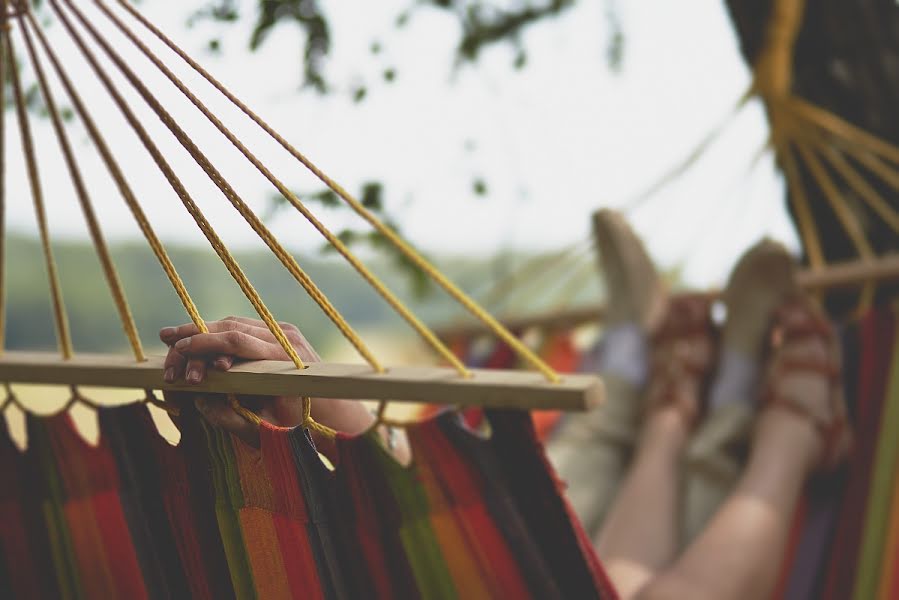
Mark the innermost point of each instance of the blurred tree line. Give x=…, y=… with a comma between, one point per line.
x=94, y=321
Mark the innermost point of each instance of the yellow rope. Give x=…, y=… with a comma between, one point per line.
x=366, y=274
x=63, y=337
x=863, y=188
x=843, y=213
x=801, y=206
x=873, y=163
x=495, y=326
x=244, y=412
x=176, y=184
x=169, y=408
x=842, y=129
x=122, y=184
x=773, y=69
x=307, y=283
x=312, y=424
x=112, y=278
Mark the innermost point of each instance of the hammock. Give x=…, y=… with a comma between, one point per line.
x=474, y=515
x=454, y=385
x=133, y=517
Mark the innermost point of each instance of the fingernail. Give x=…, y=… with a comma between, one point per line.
x=193, y=376
x=167, y=332
x=169, y=375
x=182, y=344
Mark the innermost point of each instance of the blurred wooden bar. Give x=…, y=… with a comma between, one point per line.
x=835, y=276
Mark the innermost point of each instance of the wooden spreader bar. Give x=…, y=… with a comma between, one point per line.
x=488, y=388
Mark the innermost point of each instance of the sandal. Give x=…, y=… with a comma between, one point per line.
x=796, y=322
x=682, y=356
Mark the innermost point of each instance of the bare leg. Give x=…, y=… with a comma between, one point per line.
x=741, y=551
x=642, y=532
x=641, y=535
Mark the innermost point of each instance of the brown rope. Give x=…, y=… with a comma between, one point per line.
x=176, y=184
x=118, y=176
x=844, y=214
x=109, y=270
x=799, y=199
x=63, y=337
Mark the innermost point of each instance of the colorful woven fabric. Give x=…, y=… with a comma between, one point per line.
x=134, y=517
x=877, y=340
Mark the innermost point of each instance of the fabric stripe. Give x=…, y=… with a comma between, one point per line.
x=878, y=505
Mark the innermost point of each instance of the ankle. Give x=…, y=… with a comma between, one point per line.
x=666, y=426
x=785, y=437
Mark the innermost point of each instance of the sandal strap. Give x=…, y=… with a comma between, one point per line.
x=830, y=430
x=793, y=365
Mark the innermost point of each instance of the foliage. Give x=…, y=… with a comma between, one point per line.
x=484, y=23
x=371, y=197
x=95, y=326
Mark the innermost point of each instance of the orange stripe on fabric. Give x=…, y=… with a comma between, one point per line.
x=261, y=540
x=467, y=575
x=487, y=546
x=290, y=514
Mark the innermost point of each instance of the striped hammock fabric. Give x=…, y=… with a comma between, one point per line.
x=845, y=542
x=472, y=516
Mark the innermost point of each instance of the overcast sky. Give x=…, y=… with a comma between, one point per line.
x=554, y=141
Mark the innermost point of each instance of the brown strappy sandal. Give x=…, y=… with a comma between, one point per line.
x=679, y=359
x=796, y=321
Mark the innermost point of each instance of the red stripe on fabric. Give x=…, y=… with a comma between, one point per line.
x=291, y=513
x=876, y=353
x=129, y=581
x=497, y=563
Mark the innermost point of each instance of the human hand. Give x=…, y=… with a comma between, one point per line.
x=192, y=353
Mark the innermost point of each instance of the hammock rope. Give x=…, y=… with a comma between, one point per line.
x=60, y=319
x=456, y=386
x=118, y=177
x=423, y=264
x=187, y=200
x=285, y=192
x=99, y=242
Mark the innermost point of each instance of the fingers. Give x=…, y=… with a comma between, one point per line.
x=223, y=362
x=171, y=335
x=196, y=371
x=232, y=343
x=174, y=366
x=254, y=327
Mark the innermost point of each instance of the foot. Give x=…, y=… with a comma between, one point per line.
x=762, y=280
x=683, y=350
x=636, y=293
x=804, y=384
